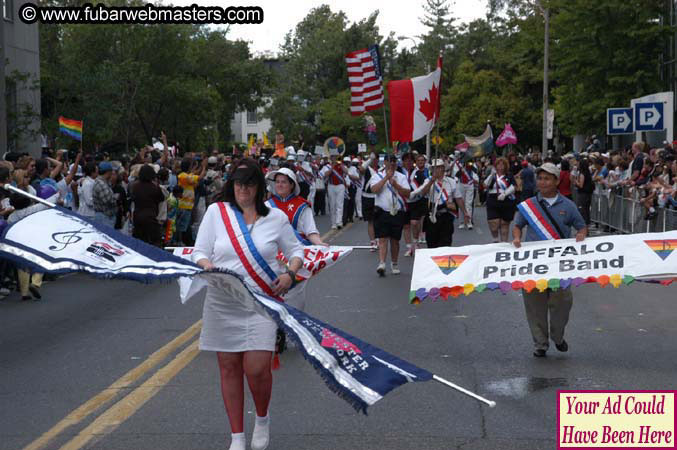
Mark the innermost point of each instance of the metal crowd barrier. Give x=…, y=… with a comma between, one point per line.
x=622, y=210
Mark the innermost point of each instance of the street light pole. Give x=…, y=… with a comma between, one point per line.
x=546, y=55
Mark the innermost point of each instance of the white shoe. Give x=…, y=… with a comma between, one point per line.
x=381, y=269
x=4, y=292
x=237, y=442
x=394, y=268
x=461, y=226
x=261, y=436
x=333, y=227
x=470, y=226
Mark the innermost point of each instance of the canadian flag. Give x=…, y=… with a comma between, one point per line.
x=415, y=105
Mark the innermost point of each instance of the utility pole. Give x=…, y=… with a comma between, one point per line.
x=546, y=55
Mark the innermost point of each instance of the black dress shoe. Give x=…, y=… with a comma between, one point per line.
x=25, y=298
x=540, y=353
x=34, y=290
x=563, y=346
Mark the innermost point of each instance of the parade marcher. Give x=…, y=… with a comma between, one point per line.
x=500, y=186
x=418, y=205
x=244, y=339
x=349, y=197
x=369, y=168
x=336, y=179
x=320, y=200
x=468, y=178
x=406, y=169
x=392, y=189
x=440, y=193
x=548, y=215
x=287, y=198
x=357, y=178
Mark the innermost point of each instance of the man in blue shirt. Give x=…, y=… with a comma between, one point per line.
x=561, y=214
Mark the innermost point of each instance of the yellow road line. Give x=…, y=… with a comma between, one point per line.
x=114, y=416
x=112, y=391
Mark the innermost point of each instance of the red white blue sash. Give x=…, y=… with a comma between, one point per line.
x=338, y=175
x=258, y=270
x=395, y=194
x=443, y=196
x=415, y=185
x=538, y=220
x=503, y=185
x=293, y=214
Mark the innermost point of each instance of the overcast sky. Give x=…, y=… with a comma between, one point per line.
x=402, y=17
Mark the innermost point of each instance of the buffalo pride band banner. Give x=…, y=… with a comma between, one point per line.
x=315, y=259
x=555, y=264
x=59, y=241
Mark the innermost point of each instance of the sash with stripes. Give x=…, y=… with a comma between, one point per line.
x=443, y=196
x=293, y=210
x=503, y=186
x=538, y=219
x=338, y=175
x=415, y=185
x=398, y=197
x=465, y=177
x=258, y=270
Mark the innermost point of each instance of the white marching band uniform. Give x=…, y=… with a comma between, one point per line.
x=336, y=190
x=467, y=180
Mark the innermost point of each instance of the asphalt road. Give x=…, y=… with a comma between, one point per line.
x=72, y=349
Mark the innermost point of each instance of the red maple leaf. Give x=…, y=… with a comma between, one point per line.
x=428, y=107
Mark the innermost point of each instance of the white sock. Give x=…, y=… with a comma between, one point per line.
x=238, y=441
x=261, y=435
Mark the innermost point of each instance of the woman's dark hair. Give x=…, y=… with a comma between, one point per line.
x=163, y=175
x=147, y=174
x=4, y=174
x=19, y=201
x=584, y=167
x=186, y=164
x=565, y=165
x=90, y=168
x=227, y=194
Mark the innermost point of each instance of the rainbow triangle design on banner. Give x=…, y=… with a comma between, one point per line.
x=662, y=248
x=449, y=263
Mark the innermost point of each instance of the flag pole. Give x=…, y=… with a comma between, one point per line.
x=16, y=190
x=385, y=122
x=448, y=383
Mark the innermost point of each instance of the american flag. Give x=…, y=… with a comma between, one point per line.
x=364, y=75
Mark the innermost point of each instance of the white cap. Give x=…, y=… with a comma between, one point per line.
x=301, y=153
x=290, y=150
x=437, y=162
x=550, y=168
x=291, y=157
x=355, y=160
x=346, y=159
x=270, y=176
x=212, y=160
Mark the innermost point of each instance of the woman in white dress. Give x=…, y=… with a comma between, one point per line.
x=239, y=232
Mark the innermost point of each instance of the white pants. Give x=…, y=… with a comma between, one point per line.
x=336, y=193
x=358, y=203
x=468, y=192
x=311, y=197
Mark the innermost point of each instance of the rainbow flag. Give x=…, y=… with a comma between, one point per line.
x=72, y=128
x=449, y=263
x=662, y=248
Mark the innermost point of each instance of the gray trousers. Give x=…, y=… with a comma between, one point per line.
x=537, y=305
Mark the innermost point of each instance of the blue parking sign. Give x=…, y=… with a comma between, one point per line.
x=619, y=121
x=649, y=116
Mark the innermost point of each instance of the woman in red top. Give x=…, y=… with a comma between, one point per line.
x=564, y=186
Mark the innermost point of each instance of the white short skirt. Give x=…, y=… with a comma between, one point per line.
x=230, y=326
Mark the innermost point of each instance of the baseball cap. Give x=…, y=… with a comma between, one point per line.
x=437, y=162
x=550, y=168
x=212, y=160
x=105, y=166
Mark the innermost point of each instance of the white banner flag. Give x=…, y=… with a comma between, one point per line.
x=555, y=264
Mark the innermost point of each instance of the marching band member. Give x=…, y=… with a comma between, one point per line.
x=418, y=205
x=241, y=233
x=407, y=168
x=368, y=168
x=358, y=180
x=468, y=179
x=286, y=197
x=547, y=215
x=500, y=186
x=337, y=185
x=392, y=189
x=440, y=193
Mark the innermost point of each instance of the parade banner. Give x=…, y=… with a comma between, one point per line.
x=59, y=241
x=553, y=264
x=315, y=259
x=507, y=136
